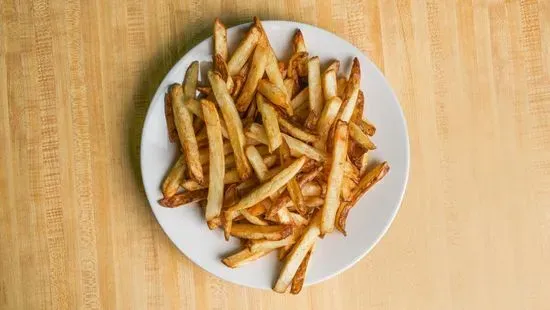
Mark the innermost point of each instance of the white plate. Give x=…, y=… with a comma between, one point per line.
x=367, y=222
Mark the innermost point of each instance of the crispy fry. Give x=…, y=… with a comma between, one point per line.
x=367, y=181
x=172, y=182
x=257, y=69
x=299, y=277
x=243, y=257
x=253, y=219
x=270, y=187
x=297, y=255
x=250, y=231
x=282, y=69
x=217, y=163
x=357, y=114
x=295, y=131
x=271, y=125
x=315, y=88
x=169, y=115
x=332, y=200
x=341, y=89
x=352, y=92
x=360, y=137
x=276, y=95
x=184, y=123
x=220, y=39
x=291, y=87
x=297, y=65
x=298, y=147
x=243, y=51
x=183, y=198
x=326, y=120
x=298, y=42
x=221, y=67
x=233, y=123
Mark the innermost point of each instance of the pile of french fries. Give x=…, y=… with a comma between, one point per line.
x=275, y=152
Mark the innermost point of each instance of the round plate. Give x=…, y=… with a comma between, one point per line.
x=367, y=222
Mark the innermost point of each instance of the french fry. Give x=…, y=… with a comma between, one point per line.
x=169, y=115
x=243, y=257
x=295, y=131
x=221, y=67
x=269, y=187
x=172, y=181
x=341, y=89
x=364, y=163
x=360, y=137
x=315, y=90
x=336, y=175
x=233, y=123
x=301, y=98
x=250, y=114
x=298, y=220
x=329, y=114
x=217, y=163
x=243, y=51
x=257, y=132
x=264, y=245
x=291, y=87
x=220, y=39
x=282, y=69
x=180, y=199
x=367, y=182
x=357, y=114
x=257, y=69
x=352, y=92
x=204, y=90
x=184, y=123
x=293, y=188
x=347, y=189
x=253, y=219
x=271, y=232
x=271, y=125
x=311, y=189
x=297, y=255
x=256, y=162
x=330, y=87
x=367, y=127
x=298, y=42
x=299, y=277
x=297, y=65
x=276, y=95
x=298, y=147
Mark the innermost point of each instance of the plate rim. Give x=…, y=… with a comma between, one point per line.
x=390, y=221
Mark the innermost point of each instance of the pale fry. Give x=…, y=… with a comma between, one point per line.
x=352, y=92
x=298, y=147
x=271, y=232
x=217, y=163
x=243, y=51
x=257, y=132
x=367, y=181
x=172, y=182
x=269, y=187
x=311, y=189
x=301, y=98
x=276, y=95
x=264, y=245
x=329, y=114
x=293, y=188
x=257, y=69
x=295, y=131
x=253, y=219
x=330, y=88
x=336, y=175
x=360, y=137
x=184, y=123
x=233, y=123
x=271, y=125
x=256, y=162
x=364, y=163
x=315, y=88
x=220, y=39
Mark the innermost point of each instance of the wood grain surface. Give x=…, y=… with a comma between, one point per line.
x=473, y=78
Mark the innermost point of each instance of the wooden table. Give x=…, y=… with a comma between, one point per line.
x=473, y=79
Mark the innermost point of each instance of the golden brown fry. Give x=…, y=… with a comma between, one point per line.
x=243, y=257
x=336, y=175
x=352, y=92
x=360, y=137
x=276, y=95
x=204, y=90
x=217, y=163
x=270, y=187
x=291, y=87
x=366, y=126
x=299, y=277
x=326, y=120
x=297, y=255
x=184, y=123
x=297, y=65
x=347, y=189
x=316, y=100
x=253, y=219
x=367, y=181
x=220, y=39
x=298, y=42
x=341, y=89
x=169, y=115
x=297, y=219
x=301, y=98
x=330, y=88
x=295, y=131
x=271, y=125
x=298, y=147
x=271, y=232
x=233, y=123
x=357, y=114
x=180, y=199
x=257, y=132
x=257, y=70
x=256, y=162
x=172, y=182
x=243, y=51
